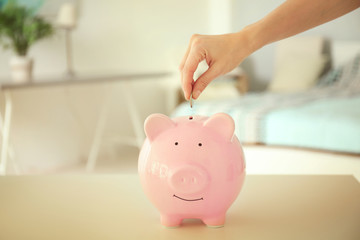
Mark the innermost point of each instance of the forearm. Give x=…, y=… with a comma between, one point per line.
x=224, y=52
x=295, y=16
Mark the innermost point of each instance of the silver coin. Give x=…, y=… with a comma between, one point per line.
x=191, y=100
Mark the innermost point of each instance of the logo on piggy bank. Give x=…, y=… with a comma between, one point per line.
x=191, y=167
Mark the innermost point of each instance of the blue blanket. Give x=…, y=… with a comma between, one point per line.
x=323, y=118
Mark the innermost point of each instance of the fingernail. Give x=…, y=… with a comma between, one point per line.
x=196, y=94
x=185, y=96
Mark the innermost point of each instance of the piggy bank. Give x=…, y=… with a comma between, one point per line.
x=191, y=167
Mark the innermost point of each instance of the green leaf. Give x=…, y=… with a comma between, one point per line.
x=19, y=28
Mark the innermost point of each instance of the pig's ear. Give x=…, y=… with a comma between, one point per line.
x=223, y=124
x=156, y=124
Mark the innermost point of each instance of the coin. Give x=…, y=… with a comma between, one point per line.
x=191, y=100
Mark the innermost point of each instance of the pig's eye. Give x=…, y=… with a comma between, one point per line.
x=190, y=118
x=200, y=144
x=176, y=143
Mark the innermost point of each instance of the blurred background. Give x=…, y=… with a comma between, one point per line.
x=53, y=127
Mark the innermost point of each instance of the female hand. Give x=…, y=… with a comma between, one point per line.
x=222, y=53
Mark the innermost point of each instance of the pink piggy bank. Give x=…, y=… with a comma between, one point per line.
x=191, y=167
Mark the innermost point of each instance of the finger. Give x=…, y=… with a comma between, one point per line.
x=203, y=81
x=181, y=67
x=183, y=60
x=182, y=63
x=190, y=66
x=186, y=88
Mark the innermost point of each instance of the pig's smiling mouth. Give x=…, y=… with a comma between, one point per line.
x=189, y=200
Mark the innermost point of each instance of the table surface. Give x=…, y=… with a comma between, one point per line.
x=114, y=207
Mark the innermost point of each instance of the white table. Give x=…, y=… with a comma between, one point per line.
x=8, y=88
x=115, y=207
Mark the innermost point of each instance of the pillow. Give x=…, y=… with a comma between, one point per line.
x=297, y=73
x=343, y=51
x=346, y=75
x=219, y=90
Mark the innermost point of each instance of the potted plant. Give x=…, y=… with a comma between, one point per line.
x=19, y=29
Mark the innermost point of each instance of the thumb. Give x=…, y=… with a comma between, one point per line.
x=187, y=74
x=204, y=80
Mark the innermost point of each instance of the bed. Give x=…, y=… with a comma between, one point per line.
x=325, y=117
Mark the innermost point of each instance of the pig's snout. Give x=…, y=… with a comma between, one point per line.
x=188, y=179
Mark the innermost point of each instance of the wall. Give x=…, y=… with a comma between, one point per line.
x=260, y=64
x=53, y=127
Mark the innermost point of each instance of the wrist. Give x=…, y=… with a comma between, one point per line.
x=254, y=37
